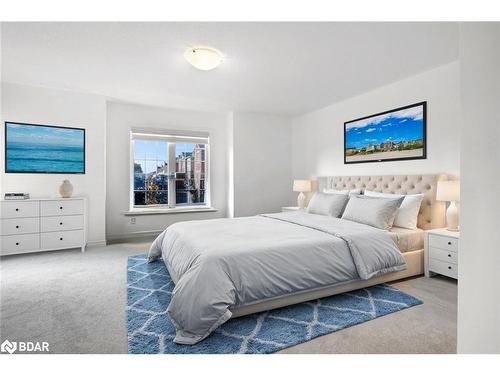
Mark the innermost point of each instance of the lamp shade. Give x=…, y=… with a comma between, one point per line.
x=448, y=191
x=302, y=185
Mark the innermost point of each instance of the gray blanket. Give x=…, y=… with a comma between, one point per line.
x=224, y=263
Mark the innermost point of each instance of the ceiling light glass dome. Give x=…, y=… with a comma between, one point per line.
x=203, y=58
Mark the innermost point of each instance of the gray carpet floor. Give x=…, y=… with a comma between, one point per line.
x=76, y=302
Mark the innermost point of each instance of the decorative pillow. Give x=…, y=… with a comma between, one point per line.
x=345, y=192
x=377, y=212
x=327, y=204
x=407, y=213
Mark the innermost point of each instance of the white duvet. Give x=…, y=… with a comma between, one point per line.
x=223, y=263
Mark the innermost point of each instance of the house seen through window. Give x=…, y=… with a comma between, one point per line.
x=169, y=171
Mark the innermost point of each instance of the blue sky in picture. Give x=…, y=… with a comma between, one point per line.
x=43, y=135
x=403, y=125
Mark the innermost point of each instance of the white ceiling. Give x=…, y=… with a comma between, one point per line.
x=282, y=68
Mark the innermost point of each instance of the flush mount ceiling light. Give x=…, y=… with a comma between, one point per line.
x=203, y=58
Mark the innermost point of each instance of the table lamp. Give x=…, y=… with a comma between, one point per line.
x=302, y=186
x=449, y=191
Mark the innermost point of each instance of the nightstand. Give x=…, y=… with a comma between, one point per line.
x=291, y=208
x=441, y=252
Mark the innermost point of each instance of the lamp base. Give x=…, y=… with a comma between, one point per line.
x=452, y=217
x=301, y=201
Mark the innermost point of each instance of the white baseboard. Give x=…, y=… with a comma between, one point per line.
x=96, y=243
x=124, y=237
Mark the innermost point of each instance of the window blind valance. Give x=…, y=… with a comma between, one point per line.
x=167, y=135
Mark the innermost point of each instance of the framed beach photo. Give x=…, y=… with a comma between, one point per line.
x=33, y=148
x=398, y=134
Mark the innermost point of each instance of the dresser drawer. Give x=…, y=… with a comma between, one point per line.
x=444, y=268
x=15, y=209
x=61, y=207
x=445, y=243
x=22, y=225
x=20, y=243
x=443, y=255
x=60, y=223
x=67, y=239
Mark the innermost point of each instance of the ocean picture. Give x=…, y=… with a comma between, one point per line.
x=398, y=134
x=44, y=149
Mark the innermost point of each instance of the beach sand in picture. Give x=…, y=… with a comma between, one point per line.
x=387, y=155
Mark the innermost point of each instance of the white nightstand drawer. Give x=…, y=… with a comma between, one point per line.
x=20, y=243
x=15, y=209
x=60, y=223
x=445, y=243
x=447, y=269
x=62, y=207
x=19, y=226
x=68, y=239
x=443, y=255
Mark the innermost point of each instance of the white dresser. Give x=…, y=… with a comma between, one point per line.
x=42, y=224
x=441, y=252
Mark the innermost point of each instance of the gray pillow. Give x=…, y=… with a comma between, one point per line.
x=377, y=212
x=327, y=204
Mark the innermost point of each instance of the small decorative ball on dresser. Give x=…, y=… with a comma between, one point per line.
x=66, y=189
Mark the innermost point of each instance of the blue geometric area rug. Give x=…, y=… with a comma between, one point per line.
x=149, y=288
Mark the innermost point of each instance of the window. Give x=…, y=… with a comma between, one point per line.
x=150, y=172
x=169, y=170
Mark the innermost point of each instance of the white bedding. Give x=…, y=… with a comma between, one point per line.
x=407, y=239
x=223, y=263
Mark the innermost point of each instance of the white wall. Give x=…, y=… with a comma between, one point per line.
x=121, y=118
x=64, y=108
x=479, y=271
x=262, y=163
x=230, y=164
x=318, y=137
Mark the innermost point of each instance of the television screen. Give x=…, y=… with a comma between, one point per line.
x=398, y=134
x=31, y=148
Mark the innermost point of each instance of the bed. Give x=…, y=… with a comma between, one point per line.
x=235, y=267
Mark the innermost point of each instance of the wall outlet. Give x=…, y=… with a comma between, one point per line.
x=132, y=220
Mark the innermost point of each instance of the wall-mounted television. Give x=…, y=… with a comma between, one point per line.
x=398, y=134
x=33, y=148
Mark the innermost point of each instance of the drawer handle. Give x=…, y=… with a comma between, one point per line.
x=60, y=223
x=60, y=207
x=449, y=243
x=449, y=267
x=449, y=255
x=17, y=243
x=60, y=239
x=17, y=209
x=17, y=226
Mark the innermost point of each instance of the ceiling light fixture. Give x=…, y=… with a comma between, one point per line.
x=203, y=58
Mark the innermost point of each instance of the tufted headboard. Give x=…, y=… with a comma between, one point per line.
x=432, y=212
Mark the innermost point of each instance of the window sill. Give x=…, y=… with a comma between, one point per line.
x=161, y=211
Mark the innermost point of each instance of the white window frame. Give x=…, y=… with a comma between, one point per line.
x=172, y=137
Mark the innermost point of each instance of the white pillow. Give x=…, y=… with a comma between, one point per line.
x=407, y=213
x=327, y=204
x=345, y=192
x=377, y=212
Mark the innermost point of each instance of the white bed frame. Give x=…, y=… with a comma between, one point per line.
x=431, y=215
